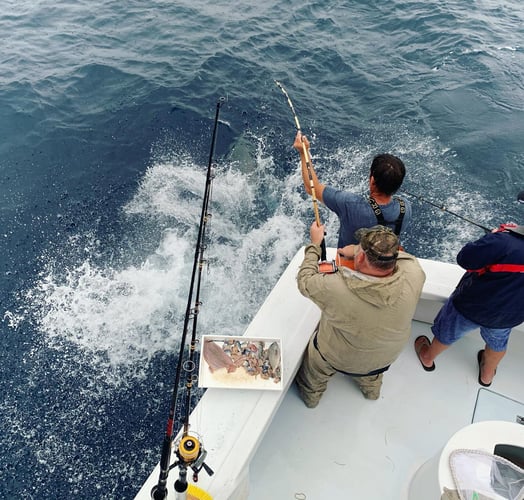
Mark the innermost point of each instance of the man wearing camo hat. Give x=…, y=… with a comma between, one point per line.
x=366, y=312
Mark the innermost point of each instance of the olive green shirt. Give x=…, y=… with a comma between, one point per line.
x=365, y=320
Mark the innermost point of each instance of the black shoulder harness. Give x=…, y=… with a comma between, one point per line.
x=380, y=216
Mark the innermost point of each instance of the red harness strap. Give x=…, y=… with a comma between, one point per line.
x=503, y=268
x=499, y=268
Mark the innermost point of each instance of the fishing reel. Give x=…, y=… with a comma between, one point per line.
x=191, y=453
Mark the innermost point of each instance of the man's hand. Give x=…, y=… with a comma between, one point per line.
x=300, y=142
x=316, y=233
x=348, y=251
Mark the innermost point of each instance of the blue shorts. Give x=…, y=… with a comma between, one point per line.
x=450, y=325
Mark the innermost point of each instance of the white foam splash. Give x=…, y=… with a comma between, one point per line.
x=128, y=314
x=123, y=313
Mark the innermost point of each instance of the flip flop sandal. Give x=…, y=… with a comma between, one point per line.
x=422, y=340
x=480, y=358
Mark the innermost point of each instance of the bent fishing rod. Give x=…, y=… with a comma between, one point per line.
x=444, y=209
x=190, y=451
x=308, y=168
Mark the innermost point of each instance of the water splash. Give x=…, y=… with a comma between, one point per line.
x=126, y=313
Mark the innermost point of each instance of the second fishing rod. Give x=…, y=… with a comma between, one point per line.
x=445, y=209
x=189, y=451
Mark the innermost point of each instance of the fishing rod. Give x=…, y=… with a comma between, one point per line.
x=189, y=451
x=308, y=168
x=444, y=209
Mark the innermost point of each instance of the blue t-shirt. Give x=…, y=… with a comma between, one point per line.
x=491, y=299
x=354, y=212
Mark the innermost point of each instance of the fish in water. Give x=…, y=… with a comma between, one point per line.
x=273, y=355
x=216, y=358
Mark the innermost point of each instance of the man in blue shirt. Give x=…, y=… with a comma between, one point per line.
x=489, y=296
x=355, y=210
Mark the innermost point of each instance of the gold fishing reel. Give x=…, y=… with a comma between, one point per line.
x=191, y=454
x=188, y=449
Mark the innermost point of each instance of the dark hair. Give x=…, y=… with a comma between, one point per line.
x=388, y=172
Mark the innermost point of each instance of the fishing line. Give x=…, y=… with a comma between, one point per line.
x=308, y=168
x=190, y=451
x=444, y=209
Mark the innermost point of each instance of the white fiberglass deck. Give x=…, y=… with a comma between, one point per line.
x=352, y=448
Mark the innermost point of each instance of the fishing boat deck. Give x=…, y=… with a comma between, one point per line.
x=350, y=447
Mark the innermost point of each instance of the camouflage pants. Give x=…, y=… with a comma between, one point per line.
x=314, y=374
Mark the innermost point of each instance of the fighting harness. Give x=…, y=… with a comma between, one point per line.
x=380, y=216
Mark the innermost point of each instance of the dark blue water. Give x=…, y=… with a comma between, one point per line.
x=106, y=117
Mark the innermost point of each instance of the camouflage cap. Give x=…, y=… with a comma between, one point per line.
x=378, y=242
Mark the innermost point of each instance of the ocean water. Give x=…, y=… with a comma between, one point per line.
x=106, y=116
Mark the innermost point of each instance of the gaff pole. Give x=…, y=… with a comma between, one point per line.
x=308, y=168
x=190, y=451
x=444, y=209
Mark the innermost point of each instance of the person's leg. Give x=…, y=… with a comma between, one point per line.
x=313, y=376
x=488, y=365
x=449, y=326
x=428, y=352
x=370, y=385
x=496, y=343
